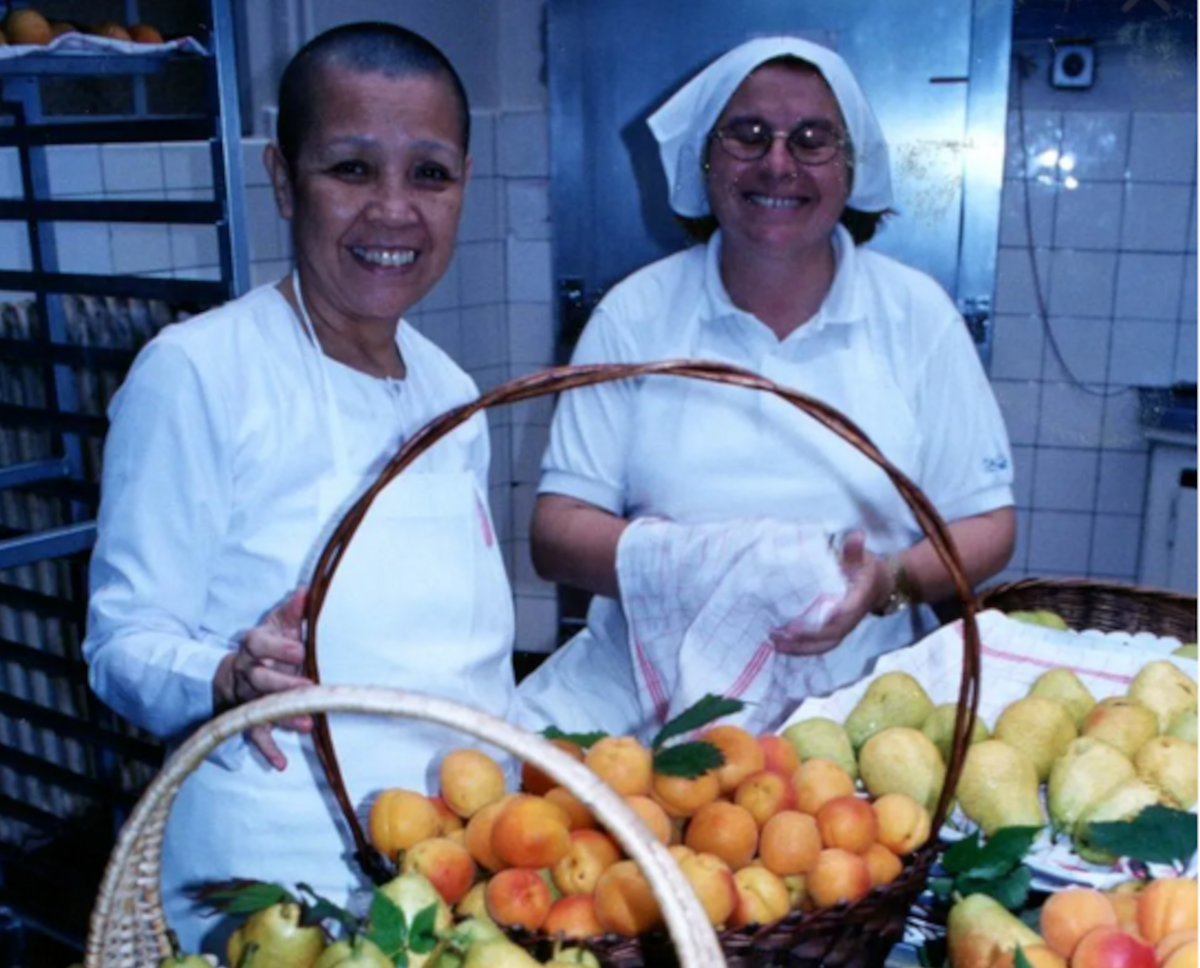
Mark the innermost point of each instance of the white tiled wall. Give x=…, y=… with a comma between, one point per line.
x=1104, y=200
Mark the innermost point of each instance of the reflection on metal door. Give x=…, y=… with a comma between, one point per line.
x=935, y=71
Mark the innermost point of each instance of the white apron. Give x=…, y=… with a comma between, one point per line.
x=420, y=601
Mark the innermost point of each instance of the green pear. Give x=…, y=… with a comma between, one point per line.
x=998, y=787
x=452, y=951
x=822, y=738
x=1121, y=722
x=900, y=759
x=939, y=727
x=1183, y=726
x=1040, y=616
x=1123, y=802
x=412, y=892
x=1082, y=775
x=573, y=956
x=1169, y=764
x=979, y=929
x=892, y=699
x=499, y=953
x=1063, y=686
x=1164, y=688
x=1187, y=650
x=1040, y=728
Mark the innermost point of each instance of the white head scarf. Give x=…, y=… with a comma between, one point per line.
x=682, y=125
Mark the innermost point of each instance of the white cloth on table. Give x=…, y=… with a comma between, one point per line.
x=701, y=602
x=887, y=348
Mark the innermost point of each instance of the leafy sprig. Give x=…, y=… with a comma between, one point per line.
x=994, y=867
x=244, y=896
x=1157, y=835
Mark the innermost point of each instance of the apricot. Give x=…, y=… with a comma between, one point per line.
x=789, y=843
x=579, y=814
x=145, y=34
x=682, y=796
x=764, y=794
x=469, y=780
x=27, y=26
x=534, y=781
x=653, y=816
x=573, y=917
x=1182, y=957
x=724, y=829
x=847, y=822
x=400, y=818
x=1171, y=943
x=589, y=855
x=903, y=825
x=883, y=866
x=447, y=865
x=818, y=780
x=742, y=753
x=623, y=763
x=1111, y=948
x=479, y=837
x=1038, y=956
x=449, y=821
x=518, y=896
x=531, y=832
x=778, y=755
x=625, y=901
x=112, y=30
x=1068, y=915
x=762, y=897
x=1165, y=906
x=838, y=876
x=1126, y=907
x=713, y=883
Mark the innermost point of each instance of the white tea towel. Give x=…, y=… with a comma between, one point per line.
x=701, y=601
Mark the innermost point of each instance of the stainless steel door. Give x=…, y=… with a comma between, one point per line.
x=935, y=71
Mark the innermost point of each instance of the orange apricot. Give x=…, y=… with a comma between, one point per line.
x=479, y=837
x=883, y=866
x=590, y=854
x=469, y=779
x=531, y=832
x=724, y=829
x=764, y=794
x=579, y=814
x=743, y=755
x=534, y=781
x=1166, y=905
x=625, y=901
x=903, y=824
x=400, y=818
x=847, y=822
x=653, y=816
x=790, y=843
x=1111, y=948
x=623, y=763
x=573, y=917
x=518, y=896
x=778, y=755
x=838, y=876
x=818, y=780
x=447, y=865
x=682, y=796
x=1068, y=915
x=762, y=897
x=713, y=883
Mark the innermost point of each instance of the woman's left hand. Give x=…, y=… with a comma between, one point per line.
x=868, y=583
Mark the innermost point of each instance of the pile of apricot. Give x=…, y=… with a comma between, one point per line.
x=757, y=838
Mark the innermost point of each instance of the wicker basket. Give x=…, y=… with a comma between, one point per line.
x=128, y=929
x=1107, y=606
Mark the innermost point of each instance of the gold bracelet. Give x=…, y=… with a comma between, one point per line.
x=903, y=593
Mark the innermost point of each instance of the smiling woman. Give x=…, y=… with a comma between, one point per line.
x=241, y=436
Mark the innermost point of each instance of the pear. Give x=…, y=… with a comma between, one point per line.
x=1040, y=616
x=412, y=892
x=1169, y=764
x=1164, y=688
x=822, y=738
x=1082, y=775
x=452, y=951
x=1183, y=726
x=1040, y=728
x=998, y=787
x=901, y=759
x=980, y=929
x=1123, y=802
x=1121, y=722
x=893, y=699
x=357, y=951
x=1063, y=686
x=1187, y=650
x=939, y=727
x=499, y=953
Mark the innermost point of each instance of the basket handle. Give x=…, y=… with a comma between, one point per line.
x=130, y=884
x=561, y=378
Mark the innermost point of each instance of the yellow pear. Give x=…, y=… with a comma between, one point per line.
x=901, y=759
x=1121, y=722
x=1123, y=802
x=822, y=738
x=499, y=953
x=979, y=929
x=1082, y=775
x=1164, y=688
x=892, y=699
x=998, y=787
x=1040, y=728
x=1064, y=686
x=1183, y=726
x=1169, y=764
x=939, y=727
x=412, y=892
x=1040, y=616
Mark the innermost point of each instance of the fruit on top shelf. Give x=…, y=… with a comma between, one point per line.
x=112, y=30
x=145, y=34
x=26, y=26
x=1040, y=616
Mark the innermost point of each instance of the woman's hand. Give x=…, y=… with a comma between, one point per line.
x=269, y=658
x=869, y=583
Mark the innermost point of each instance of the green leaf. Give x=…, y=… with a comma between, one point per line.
x=244, y=896
x=1019, y=959
x=386, y=924
x=1011, y=889
x=942, y=887
x=583, y=740
x=688, y=759
x=1157, y=835
x=322, y=909
x=700, y=713
x=423, y=935
x=1003, y=851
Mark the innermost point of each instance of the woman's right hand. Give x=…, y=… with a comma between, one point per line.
x=269, y=658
